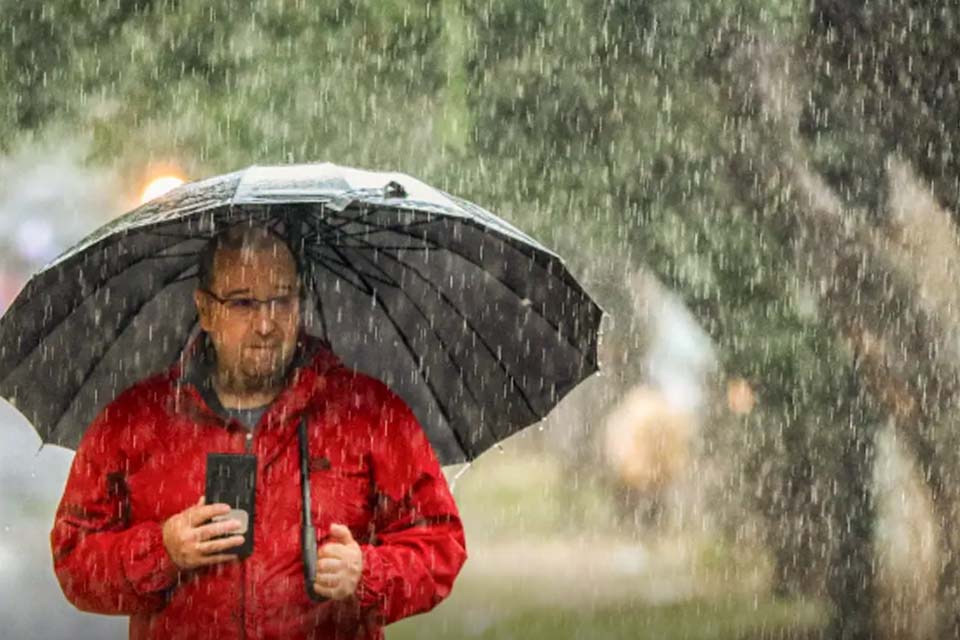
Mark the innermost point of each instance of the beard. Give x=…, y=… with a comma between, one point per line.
x=258, y=370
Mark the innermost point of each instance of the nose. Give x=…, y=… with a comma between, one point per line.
x=264, y=322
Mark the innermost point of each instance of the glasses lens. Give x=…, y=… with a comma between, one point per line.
x=279, y=305
x=283, y=305
x=241, y=305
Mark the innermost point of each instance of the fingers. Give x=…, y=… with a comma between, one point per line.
x=330, y=565
x=189, y=536
x=214, y=529
x=218, y=545
x=327, y=580
x=329, y=585
x=201, y=513
x=339, y=565
x=334, y=586
x=340, y=533
x=333, y=550
x=325, y=592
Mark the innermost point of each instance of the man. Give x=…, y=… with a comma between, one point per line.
x=134, y=536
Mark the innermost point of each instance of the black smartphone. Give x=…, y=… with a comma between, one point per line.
x=232, y=479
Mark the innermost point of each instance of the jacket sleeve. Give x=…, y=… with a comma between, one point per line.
x=419, y=540
x=103, y=564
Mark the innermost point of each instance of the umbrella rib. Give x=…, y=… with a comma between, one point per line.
x=319, y=240
x=352, y=269
x=439, y=338
x=316, y=224
x=315, y=247
x=184, y=276
x=192, y=254
x=419, y=361
x=387, y=247
x=170, y=234
x=122, y=326
x=274, y=225
x=92, y=293
x=443, y=296
x=400, y=230
x=345, y=220
x=377, y=228
x=536, y=308
x=343, y=277
x=323, y=227
x=533, y=253
x=319, y=305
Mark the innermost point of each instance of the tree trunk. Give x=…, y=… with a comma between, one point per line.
x=851, y=580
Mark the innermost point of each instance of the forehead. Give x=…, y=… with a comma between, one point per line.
x=270, y=266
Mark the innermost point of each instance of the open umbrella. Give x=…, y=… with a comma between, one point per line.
x=478, y=327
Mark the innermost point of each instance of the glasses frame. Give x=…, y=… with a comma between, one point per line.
x=255, y=303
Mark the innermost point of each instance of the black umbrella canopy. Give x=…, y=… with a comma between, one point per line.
x=476, y=325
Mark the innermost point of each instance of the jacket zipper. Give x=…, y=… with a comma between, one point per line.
x=248, y=447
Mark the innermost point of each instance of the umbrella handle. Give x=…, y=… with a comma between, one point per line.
x=308, y=538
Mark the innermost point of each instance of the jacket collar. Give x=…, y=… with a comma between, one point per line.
x=313, y=358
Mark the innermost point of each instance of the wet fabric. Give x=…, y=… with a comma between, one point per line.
x=371, y=467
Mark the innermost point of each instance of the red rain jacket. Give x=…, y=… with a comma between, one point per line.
x=371, y=467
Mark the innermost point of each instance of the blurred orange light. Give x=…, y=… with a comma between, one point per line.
x=160, y=186
x=740, y=396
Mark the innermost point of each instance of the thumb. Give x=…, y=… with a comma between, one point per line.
x=341, y=532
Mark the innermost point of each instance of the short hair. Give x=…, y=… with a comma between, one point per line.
x=240, y=236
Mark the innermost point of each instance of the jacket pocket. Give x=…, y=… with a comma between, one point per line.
x=340, y=493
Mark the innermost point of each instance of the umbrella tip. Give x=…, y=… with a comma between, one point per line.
x=394, y=190
x=453, y=481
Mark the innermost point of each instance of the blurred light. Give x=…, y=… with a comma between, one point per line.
x=159, y=187
x=35, y=239
x=740, y=396
x=9, y=559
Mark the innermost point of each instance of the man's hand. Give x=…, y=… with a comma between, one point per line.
x=188, y=539
x=339, y=565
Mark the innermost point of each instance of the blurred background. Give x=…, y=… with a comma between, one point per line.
x=763, y=195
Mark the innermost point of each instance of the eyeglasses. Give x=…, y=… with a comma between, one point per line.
x=247, y=307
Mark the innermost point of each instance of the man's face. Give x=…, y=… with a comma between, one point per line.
x=254, y=341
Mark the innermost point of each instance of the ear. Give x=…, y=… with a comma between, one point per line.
x=203, y=309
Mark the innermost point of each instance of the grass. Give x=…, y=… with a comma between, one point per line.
x=546, y=561
x=513, y=495
x=735, y=619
